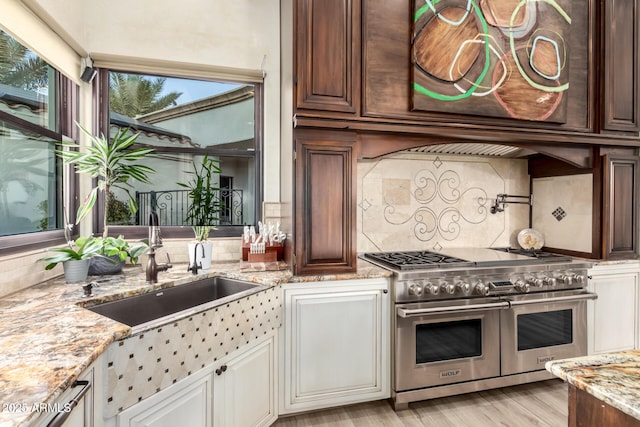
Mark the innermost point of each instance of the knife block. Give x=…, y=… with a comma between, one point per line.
x=271, y=253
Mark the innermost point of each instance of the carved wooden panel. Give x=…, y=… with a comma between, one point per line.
x=503, y=58
x=386, y=66
x=325, y=203
x=621, y=65
x=327, y=46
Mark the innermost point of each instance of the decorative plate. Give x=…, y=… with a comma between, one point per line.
x=530, y=239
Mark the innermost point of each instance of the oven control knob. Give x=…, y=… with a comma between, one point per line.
x=521, y=286
x=415, y=289
x=549, y=281
x=431, y=289
x=463, y=288
x=581, y=279
x=535, y=281
x=481, y=289
x=567, y=279
x=448, y=288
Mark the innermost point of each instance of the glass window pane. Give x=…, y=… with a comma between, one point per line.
x=187, y=121
x=30, y=190
x=27, y=84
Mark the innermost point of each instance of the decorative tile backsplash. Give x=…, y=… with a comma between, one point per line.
x=563, y=212
x=144, y=364
x=413, y=201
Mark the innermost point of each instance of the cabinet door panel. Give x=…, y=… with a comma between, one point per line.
x=613, y=318
x=325, y=40
x=622, y=65
x=325, y=205
x=336, y=345
x=620, y=212
x=320, y=326
x=187, y=404
x=244, y=394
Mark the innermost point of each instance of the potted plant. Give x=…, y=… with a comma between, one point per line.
x=203, y=210
x=117, y=250
x=75, y=257
x=112, y=163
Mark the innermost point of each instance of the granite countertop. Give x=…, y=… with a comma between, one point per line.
x=48, y=339
x=613, y=378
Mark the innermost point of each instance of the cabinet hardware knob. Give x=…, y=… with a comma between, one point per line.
x=221, y=369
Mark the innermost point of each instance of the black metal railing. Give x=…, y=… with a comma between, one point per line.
x=172, y=206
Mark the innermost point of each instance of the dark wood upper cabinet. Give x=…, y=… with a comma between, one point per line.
x=621, y=65
x=325, y=203
x=620, y=210
x=327, y=46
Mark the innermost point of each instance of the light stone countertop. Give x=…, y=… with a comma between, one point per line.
x=47, y=339
x=613, y=378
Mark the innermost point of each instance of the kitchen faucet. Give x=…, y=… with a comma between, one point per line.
x=194, y=268
x=155, y=242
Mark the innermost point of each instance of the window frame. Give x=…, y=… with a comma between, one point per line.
x=101, y=108
x=67, y=97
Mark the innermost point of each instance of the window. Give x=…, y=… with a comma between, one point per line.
x=31, y=124
x=187, y=121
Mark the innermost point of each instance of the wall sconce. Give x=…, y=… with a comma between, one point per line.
x=503, y=199
x=87, y=72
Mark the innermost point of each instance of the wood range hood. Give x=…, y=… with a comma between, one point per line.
x=579, y=156
x=352, y=100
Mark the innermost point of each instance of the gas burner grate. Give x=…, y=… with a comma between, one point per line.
x=536, y=253
x=416, y=260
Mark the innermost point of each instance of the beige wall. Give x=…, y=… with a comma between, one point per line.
x=192, y=37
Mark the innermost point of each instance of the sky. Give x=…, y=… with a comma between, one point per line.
x=195, y=89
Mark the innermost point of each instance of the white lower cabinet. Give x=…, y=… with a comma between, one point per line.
x=245, y=388
x=237, y=391
x=334, y=344
x=186, y=403
x=64, y=412
x=613, y=319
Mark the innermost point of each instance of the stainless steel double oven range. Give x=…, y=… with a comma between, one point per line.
x=469, y=319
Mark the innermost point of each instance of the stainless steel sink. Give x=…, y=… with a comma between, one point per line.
x=162, y=304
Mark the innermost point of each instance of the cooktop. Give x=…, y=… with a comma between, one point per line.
x=462, y=258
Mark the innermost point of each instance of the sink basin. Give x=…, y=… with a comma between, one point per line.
x=142, y=309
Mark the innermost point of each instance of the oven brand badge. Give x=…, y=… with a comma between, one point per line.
x=546, y=359
x=450, y=373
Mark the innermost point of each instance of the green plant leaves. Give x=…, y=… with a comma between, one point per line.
x=204, y=195
x=86, y=206
x=113, y=163
x=87, y=247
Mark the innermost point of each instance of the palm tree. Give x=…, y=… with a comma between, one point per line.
x=19, y=67
x=134, y=95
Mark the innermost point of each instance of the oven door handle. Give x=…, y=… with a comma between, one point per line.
x=412, y=312
x=566, y=298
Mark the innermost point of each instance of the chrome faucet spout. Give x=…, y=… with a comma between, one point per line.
x=196, y=266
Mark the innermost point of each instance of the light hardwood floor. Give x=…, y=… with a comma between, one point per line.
x=537, y=404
